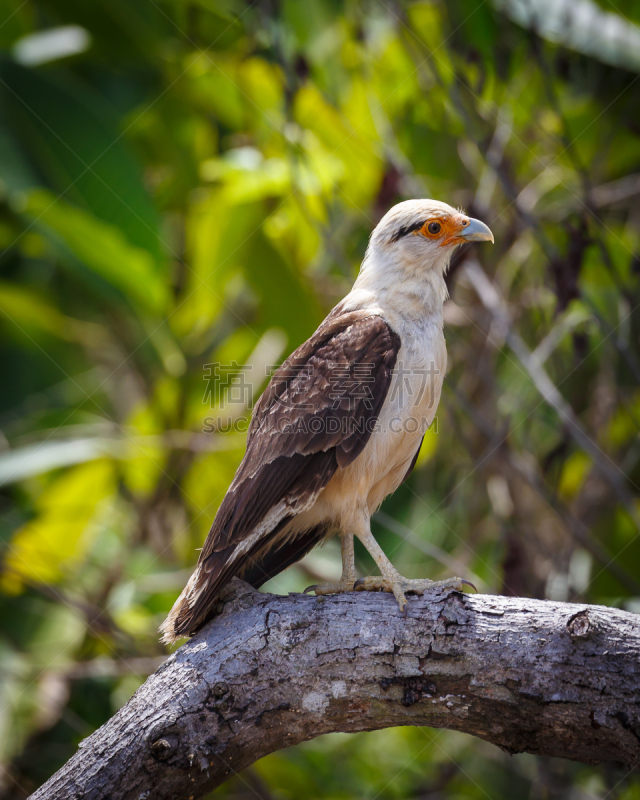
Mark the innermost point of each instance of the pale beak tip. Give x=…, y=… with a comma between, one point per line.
x=477, y=231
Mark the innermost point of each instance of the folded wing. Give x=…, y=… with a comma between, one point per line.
x=316, y=416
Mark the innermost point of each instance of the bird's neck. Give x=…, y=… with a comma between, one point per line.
x=411, y=296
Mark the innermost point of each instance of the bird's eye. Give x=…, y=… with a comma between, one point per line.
x=434, y=227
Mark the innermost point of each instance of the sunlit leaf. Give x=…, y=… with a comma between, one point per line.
x=67, y=513
x=100, y=247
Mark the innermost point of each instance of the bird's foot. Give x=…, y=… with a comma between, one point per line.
x=337, y=587
x=400, y=586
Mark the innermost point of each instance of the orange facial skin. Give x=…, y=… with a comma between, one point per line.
x=449, y=230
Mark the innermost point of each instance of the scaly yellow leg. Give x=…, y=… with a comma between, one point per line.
x=346, y=582
x=391, y=580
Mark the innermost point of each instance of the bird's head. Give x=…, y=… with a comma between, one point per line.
x=408, y=254
x=422, y=234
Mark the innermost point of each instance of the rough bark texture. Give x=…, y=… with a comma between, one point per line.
x=272, y=671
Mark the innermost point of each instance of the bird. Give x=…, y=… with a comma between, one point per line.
x=340, y=424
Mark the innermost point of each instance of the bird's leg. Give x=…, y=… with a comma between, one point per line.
x=391, y=580
x=345, y=584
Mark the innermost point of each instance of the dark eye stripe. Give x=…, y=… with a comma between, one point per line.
x=406, y=231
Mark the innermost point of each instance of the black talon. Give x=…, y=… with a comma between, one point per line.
x=359, y=582
x=311, y=588
x=469, y=584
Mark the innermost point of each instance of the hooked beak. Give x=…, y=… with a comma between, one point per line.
x=476, y=231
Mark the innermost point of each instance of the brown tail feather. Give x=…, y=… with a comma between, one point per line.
x=197, y=602
x=277, y=559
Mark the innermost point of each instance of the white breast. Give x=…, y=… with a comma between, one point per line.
x=407, y=413
x=408, y=410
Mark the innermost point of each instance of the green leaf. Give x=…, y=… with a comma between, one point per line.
x=46, y=546
x=33, y=313
x=101, y=247
x=71, y=134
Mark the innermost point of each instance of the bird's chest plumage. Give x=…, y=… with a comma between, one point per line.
x=409, y=409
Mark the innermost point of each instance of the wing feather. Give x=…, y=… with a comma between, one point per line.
x=315, y=416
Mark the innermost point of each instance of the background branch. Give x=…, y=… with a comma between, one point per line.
x=272, y=671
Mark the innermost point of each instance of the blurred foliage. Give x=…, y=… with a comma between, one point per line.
x=186, y=188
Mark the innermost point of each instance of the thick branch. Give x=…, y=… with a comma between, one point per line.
x=273, y=671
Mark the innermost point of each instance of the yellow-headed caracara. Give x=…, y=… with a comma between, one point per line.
x=340, y=424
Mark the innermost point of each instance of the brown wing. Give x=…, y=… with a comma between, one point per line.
x=316, y=415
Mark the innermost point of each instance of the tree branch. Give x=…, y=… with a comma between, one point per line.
x=270, y=671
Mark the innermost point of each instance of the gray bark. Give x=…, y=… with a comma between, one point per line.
x=269, y=672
